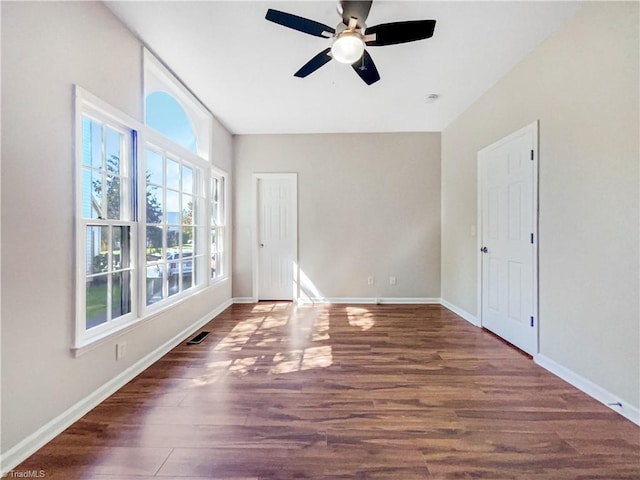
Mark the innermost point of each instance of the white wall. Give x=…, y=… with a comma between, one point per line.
x=582, y=84
x=368, y=204
x=46, y=48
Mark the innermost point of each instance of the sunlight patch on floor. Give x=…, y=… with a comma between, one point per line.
x=214, y=372
x=273, y=322
x=317, y=357
x=262, y=308
x=320, y=329
x=239, y=336
x=266, y=341
x=286, y=362
x=360, y=317
x=263, y=329
x=299, y=360
x=242, y=366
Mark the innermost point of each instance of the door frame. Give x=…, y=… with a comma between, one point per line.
x=532, y=129
x=255, y=251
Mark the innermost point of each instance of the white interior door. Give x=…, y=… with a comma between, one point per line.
x=508, y=218
x=277, y=236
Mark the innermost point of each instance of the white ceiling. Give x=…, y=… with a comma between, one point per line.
x=241, y=66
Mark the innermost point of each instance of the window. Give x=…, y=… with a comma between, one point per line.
x=166, y=115
x=218, y=227
x=175, y=251
x=106, y=227
x=172, y=110
x=150, y=207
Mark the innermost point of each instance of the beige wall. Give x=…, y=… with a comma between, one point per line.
x=582, y=85
x=46, y=48
x=368, y=204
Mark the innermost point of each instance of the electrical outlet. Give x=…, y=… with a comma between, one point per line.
x=370, y=280
x=393, y=280
x=121, y=350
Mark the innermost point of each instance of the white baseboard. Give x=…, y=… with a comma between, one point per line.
x=410, y=301
x=370, y=300
x=460, y=312
x=587, y=386
x=244, y=300
x=21, y=451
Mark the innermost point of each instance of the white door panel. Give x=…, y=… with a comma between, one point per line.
x=277, y=236
x=507, y=224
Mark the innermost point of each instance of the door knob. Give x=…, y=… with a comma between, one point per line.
x=261, y=245
x=484, y=250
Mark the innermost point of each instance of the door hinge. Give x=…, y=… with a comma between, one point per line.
x=532, y=321
x=532, y=238
x=531, y=154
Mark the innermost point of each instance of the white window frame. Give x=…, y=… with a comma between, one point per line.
x=90, y=106
x=221, y=228
x=157, y=142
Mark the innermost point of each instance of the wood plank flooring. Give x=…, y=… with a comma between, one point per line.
x=279, y=391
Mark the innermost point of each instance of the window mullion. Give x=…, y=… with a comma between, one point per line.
x=104, y=200
x=181, y=229
x=164, y=222
x=125, y=187
x=206, y=184
x=109, y=273
x=140, y=247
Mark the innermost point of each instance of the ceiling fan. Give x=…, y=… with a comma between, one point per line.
x=351, y=35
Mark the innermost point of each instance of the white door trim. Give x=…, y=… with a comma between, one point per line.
x=532, y=128
x=255, y=295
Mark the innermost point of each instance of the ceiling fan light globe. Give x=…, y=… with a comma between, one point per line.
x=348, y=47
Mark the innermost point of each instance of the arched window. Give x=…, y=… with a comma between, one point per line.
x=184, y=228
x=164, y=114
x=171, y=109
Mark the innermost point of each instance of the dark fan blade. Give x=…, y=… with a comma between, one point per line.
x=298, y=23
x=356, y=9
x=400, y=32
x=314, y=64
x=366, y=69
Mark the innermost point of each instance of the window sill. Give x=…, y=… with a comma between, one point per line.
x=99, y=340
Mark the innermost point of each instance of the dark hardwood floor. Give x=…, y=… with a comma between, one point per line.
x=344, y=392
